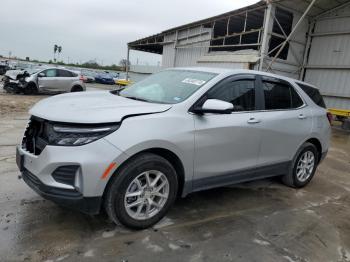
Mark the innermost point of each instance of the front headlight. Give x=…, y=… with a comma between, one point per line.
x=77, y=135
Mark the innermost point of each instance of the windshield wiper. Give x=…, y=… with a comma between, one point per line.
x=137, y=98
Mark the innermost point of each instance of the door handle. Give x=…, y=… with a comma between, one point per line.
x=302, y=116
x=253, y=121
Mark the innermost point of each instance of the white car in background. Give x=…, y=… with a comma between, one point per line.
x=36, y=80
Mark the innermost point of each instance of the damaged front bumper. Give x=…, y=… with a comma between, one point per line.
x=14, y=86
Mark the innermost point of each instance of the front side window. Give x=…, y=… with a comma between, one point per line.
x=280, y=96
x=241, y=93
x=168, y=87
x=50, y=73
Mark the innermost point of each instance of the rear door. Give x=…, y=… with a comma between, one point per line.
x=227, y=145
x=285, y=123
x=65, y=80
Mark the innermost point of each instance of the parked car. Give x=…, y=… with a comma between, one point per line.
x=4, y=68
x=43, y=80
x=88, y=76
x=132, y=152
x=104, y=78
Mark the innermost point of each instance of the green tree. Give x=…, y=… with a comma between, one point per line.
x=59, y=50
x=55, y=49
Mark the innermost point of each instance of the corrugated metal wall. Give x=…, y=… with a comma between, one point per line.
x=329, y=61
x=188, y=51
x=192, y=45
x=225, y=65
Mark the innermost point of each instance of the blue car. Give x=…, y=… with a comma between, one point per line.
x=104, y=78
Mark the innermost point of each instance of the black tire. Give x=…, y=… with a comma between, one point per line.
x=77, y=89
x=116, y=190
x=30, y=89
x=7, y=88
x=291, y=179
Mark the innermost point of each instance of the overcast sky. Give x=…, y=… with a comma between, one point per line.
x=96, y=29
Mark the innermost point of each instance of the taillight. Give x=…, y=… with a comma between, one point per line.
x=329, y=117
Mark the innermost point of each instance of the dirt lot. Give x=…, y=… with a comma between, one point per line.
x=12, y=103
x=259, y=221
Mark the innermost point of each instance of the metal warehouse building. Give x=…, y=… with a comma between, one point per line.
x=304, y=39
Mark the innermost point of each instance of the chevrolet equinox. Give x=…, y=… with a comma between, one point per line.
x=132, y=152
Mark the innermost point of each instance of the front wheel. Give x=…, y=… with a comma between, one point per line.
x=31, y=89
x=303, y=167
x=142, y=192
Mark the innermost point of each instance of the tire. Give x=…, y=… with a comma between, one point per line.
x=7, y=88
x=31, y=89
x=295, y=177
x=76, y=89
x=125, y=181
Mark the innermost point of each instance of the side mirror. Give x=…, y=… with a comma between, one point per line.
x=215, y=106
x=41, y=74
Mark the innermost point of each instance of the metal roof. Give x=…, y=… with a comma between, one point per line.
x=150, y=43
x=319, y=8
x=154, y=43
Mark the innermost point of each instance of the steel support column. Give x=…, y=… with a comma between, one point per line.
x=263, y=49
x=127, y=64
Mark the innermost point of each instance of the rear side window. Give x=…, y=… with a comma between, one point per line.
x=314, y=94
x=64, y=73
x=280, y=96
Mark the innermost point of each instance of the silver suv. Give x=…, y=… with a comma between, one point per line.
x=179, y=131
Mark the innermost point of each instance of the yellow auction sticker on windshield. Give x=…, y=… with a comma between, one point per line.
x=193, y=81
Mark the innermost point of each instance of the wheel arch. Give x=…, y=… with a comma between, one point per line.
x=77, y=86
x=316, y=142
x=169, y=155
x=32, y=83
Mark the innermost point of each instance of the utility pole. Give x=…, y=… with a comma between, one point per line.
x=127, y=64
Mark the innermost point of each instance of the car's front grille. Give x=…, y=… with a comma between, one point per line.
x=36, y=136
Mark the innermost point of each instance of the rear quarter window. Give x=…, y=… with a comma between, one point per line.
x=314, y=94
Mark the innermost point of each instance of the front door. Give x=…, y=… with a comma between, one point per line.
x=48, y=80
x=227, y=145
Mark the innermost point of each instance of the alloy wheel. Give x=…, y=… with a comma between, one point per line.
x=305, y=166
x=146, y=195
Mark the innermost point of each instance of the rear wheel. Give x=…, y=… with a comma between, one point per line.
x=303, y=167
x=77, y=89
x=142, y=191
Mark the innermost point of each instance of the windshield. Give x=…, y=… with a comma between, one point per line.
x=169, y=87
x=32, y=71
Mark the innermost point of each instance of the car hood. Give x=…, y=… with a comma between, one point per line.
x=14, y=73
x=92, y=107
